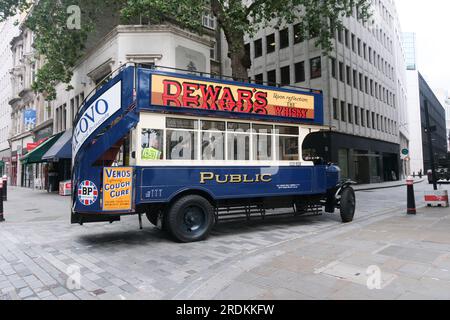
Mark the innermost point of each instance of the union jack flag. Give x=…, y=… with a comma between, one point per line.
x=87, y=193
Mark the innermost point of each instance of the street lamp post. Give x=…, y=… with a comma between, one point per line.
x=429, y=131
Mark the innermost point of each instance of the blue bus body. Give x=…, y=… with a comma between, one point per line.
x=100, y=125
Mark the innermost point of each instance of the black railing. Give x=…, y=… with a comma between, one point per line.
x=251, y=81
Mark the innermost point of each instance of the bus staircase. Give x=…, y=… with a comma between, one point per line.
x=101, y=148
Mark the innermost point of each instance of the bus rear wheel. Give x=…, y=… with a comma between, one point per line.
x=348, y=205
x=190, y=219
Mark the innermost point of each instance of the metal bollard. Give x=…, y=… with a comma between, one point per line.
x=411, y=197
x=5, y=188
x=2, y=218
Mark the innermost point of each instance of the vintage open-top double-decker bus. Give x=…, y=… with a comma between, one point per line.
x=187, y=151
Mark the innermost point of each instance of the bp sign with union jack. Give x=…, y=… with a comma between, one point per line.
x=87, y=193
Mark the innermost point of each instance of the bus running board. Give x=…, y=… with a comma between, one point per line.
x=223, y=214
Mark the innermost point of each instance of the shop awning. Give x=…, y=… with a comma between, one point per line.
x=62, y=149
x=36, y=155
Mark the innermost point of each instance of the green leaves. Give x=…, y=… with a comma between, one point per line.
x=186, y=13
x=9, y=8
x=62, y=47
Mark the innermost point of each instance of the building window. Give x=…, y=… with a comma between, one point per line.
x=247, y=49
x=349, y=79
x=272, y=78
x=335, y=110
x=333, y=67
x=353, y=43
x=368, y=119
x=359, y=47
x=346, y=38
x=340, y=35
x=343, y=111
x=300, y=72
x=285, y=76
x=343, y=162
x=373, y=121
x=355, y=79
x=298, y=34
x=258, y=48
x=259, y=79
x=341, y=72
x=64, y=118
x=209, y=21
x=316, y=67
x=363, y=123
x=350, y=113
x=270, y=43
x=72, y=109
x=356, y=115
x=284, y=38
x=361, y=83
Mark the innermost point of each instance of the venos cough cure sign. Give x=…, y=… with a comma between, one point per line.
x=117, y=189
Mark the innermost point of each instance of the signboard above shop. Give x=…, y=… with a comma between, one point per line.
x=29, y=118
x=238, y=98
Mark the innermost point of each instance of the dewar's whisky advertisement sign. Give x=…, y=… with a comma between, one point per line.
x=252, y=99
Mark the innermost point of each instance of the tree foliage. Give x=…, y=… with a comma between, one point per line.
x=63, y=47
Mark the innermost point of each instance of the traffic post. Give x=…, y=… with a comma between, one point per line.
x=5, y=188
x=2, y=218
x=411, y=197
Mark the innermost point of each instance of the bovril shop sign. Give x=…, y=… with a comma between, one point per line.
x=96, y=114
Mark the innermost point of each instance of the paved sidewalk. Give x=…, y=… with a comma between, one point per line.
x=385, y=185
x=411, y=252
x=307, y=257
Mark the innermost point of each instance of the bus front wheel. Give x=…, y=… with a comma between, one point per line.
x=190, y=219
x=348, y=205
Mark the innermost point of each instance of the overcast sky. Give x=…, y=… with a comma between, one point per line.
x=430, y=20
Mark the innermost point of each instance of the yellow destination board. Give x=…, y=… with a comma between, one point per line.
x=117, y=189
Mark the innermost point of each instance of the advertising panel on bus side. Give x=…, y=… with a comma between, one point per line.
x=194, y=93
x=117, y=189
